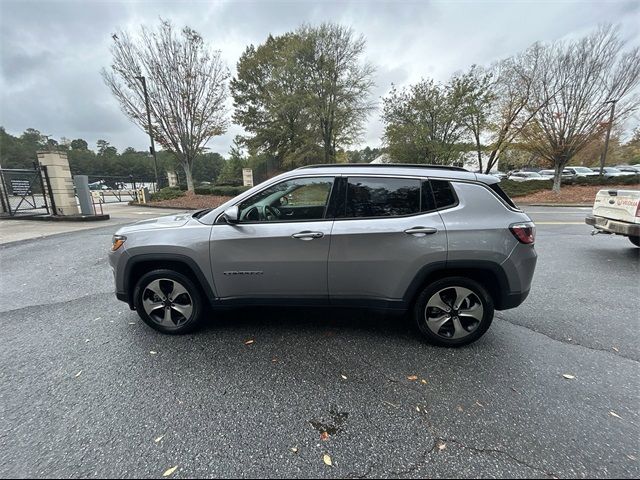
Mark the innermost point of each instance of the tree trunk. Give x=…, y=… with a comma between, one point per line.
x=187, y=172
x=557, y=176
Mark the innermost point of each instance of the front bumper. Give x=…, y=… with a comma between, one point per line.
x=613, y=226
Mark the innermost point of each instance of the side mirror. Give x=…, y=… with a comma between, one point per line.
x=232, y=214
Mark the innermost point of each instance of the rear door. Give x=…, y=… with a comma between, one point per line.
x=386, y=230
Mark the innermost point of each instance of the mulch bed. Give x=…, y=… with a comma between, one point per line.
x=571, y=194
x=192, y=202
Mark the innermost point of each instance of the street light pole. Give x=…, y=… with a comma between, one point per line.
x=603, y=157
x=153, y=148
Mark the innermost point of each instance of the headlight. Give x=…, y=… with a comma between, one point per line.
x=117, y=241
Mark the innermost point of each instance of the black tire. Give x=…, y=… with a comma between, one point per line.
x=635, y=241
x=470, y=327
x=178, y=323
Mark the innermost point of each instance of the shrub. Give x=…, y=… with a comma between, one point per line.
x=624, y=180
x=519, y=189
x=167, y=193
x=220, y=190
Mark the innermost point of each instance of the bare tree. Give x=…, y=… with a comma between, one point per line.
x=586, y=74
x=187, y=87
x=501, y=104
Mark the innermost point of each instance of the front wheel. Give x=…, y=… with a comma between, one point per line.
x=454, y=311
x=169, y=302
x=635, y=240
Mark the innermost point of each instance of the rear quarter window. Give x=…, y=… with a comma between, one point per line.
x=443, y=194
x=501, y=193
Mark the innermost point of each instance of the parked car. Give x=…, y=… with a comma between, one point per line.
x=581, y=172
x=566, y=175
x=447, y=244
x=500, y=175
x=629, y=169
x=527, y=176
x=610, y=172
x=617, y=212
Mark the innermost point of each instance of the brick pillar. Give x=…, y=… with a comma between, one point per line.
x=60, y=181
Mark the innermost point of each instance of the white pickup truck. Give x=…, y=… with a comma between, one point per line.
x=617, y=212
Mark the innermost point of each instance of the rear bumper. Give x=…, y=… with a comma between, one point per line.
x=613, y=226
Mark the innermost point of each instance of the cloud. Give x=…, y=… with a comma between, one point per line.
x=51, y=52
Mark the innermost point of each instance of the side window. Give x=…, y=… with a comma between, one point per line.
x=443, y=194
x=381, y=197
x=298, y=199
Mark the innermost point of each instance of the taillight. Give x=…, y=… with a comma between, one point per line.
x=638, y=209
x=524, y=232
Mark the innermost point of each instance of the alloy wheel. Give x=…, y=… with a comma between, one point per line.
x=454, y=312
x=167, y=302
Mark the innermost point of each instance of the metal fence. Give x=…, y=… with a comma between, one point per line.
x=114, y=189
x=25, y=191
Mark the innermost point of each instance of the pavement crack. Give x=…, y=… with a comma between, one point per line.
x=580, y=345
x=496, y=451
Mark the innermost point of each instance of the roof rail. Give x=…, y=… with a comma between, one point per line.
x=385, y=165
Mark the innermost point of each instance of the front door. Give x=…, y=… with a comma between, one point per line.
x=279, y=248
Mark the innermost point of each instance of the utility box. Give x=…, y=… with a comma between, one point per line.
x=143, y=195
x=83, y=193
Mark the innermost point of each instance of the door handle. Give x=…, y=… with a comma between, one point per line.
x=307, y=235
x=421, y=231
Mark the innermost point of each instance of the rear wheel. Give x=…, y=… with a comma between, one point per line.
x=454, y=311
x=635, y=241
x=169, y=302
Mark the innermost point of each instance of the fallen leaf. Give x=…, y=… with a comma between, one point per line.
x=632, y=458
x=248, y=342
x=152, y=352
x=343, y=377
x=274, y=360
x=170, y=471
x=615, y=349
x=614, y=414
x=568, y=377
x=412, y=378
x=423, y=381
x=79, y=373
x=460, y=409
x=324, y=436
x=442, y=446
x=418, y=409
x=479, y=404
x=327, y=460
x=159, y=438
x=294, y=450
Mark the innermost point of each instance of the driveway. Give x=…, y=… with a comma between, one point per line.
x=90, y=391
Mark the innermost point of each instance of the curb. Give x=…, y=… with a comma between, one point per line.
x=60, y=218
x=160, y=207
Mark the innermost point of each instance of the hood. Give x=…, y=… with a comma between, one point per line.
x=168, y=221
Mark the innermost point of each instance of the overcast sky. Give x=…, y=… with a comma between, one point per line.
x=51, y=52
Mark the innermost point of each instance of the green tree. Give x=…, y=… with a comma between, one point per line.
x=302, y=95
x=424, y=123
x=231, y=173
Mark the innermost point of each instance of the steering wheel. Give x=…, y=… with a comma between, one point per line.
x=271, y=213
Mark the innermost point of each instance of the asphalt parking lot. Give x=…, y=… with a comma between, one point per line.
x=89, y=391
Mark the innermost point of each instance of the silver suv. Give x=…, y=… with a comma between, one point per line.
x=445, y=243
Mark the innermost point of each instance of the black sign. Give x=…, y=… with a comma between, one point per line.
x=21, y=187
